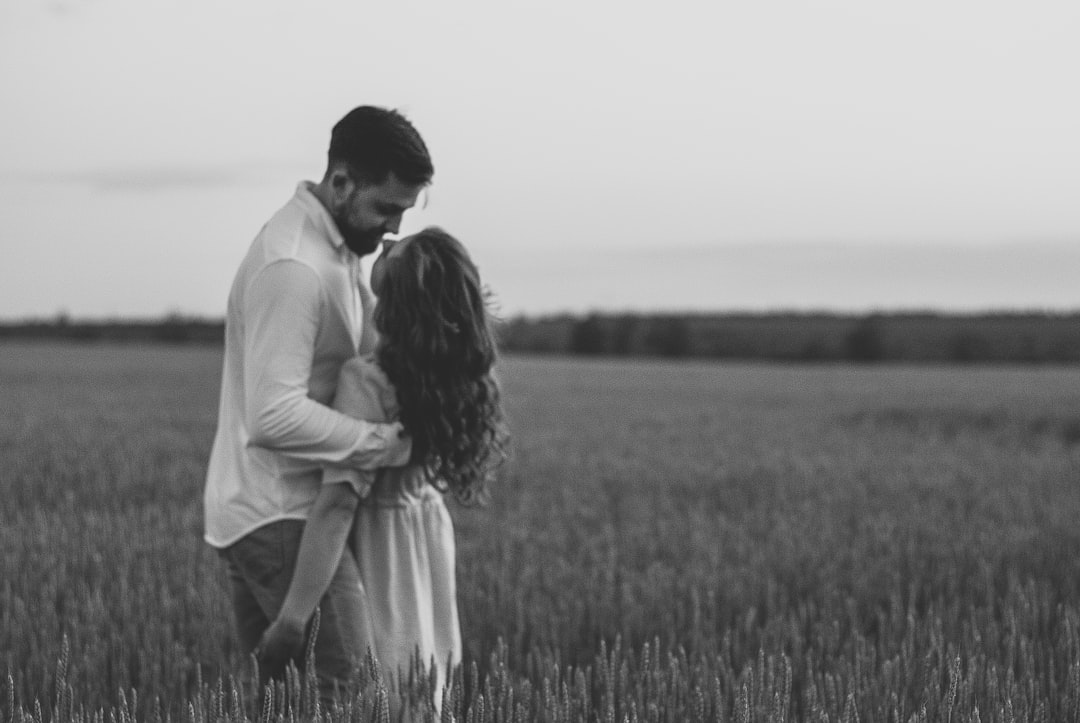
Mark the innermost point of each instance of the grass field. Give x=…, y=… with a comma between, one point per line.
x=670, y=542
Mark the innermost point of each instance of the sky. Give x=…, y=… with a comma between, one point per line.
x=607, y=155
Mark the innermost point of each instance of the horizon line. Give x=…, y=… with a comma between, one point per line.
x=64, y=318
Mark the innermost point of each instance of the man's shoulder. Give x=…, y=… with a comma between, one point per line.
x=291, y=233
x=294, y=232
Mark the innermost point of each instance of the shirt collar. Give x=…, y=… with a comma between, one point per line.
x=320, y=215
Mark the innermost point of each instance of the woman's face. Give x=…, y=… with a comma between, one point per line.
x=390, y=249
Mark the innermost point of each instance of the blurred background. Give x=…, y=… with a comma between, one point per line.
x=604, y=157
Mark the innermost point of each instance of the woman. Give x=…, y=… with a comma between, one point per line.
x=432, y=371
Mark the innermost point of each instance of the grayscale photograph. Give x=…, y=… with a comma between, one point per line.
x=569, y=362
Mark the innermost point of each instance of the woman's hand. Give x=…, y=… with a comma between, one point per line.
x=282, y=643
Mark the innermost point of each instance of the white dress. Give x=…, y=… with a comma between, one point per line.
x=403, y=539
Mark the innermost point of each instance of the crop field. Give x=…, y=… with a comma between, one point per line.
x=670, y=542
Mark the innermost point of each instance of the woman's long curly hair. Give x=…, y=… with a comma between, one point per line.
x=437, y=347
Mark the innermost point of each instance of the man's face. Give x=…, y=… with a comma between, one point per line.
x=369, y=211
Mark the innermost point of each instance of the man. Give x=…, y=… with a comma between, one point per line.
x=297, y=310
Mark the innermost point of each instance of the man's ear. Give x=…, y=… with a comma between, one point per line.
x=341, y=183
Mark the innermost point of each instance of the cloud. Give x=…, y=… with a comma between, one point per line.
x=155, y=178
x=781, y=276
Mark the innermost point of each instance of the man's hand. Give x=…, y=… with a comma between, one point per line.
x=384, y=445
x=282, y=643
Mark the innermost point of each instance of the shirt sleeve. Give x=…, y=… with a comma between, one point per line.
x=282, y=308
x=359, y=395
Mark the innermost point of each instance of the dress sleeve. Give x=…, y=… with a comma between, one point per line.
x=360, y=395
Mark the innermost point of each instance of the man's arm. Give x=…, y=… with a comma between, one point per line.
x=282, y=308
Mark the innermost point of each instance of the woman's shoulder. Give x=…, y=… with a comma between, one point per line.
x=363, y=366
x=363, y=375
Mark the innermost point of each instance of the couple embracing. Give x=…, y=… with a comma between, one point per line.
x=343, y=423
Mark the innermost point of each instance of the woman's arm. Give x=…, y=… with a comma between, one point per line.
x=324, y=538
x=321, y=546
x=328, y=526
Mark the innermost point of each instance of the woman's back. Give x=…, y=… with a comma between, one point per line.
x=401, y=487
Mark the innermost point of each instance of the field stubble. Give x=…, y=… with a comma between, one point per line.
x=670, y=542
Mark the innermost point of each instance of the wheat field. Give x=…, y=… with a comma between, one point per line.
x=670, y=542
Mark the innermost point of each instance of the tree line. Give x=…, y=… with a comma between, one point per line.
x=173, y=329
x=812, y=337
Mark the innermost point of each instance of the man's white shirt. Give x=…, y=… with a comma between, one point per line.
x=296, y=313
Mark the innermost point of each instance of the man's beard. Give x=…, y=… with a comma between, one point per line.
x=361, y=243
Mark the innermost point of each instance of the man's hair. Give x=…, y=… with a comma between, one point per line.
x=375, y=142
